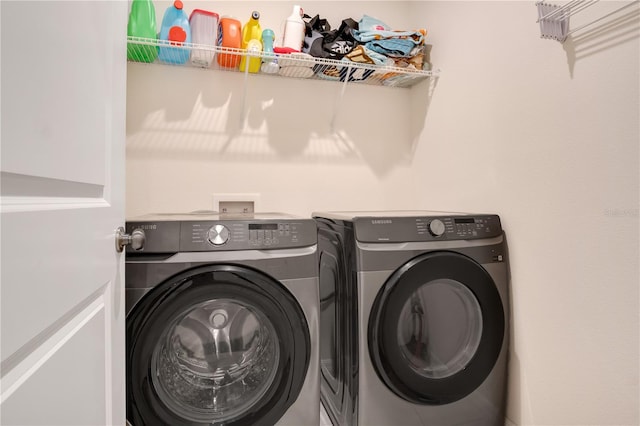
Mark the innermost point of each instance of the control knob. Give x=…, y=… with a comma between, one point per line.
x=436, y=227
x=218, y=235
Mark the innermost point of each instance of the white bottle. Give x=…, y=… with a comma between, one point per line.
x=294, y=30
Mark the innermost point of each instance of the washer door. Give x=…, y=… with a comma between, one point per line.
x=436, y=328
x=219, y=344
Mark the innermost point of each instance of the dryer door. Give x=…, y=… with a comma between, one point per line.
x=436, y=328
x=219, y=344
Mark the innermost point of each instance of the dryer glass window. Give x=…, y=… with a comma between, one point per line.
x=440, y=328
x=215, y=361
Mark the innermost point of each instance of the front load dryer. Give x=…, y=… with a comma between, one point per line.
x=414, y=318
x=222, y=323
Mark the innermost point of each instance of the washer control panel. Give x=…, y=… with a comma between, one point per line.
x=225, y=235
x=245, y=235
x=426, y=228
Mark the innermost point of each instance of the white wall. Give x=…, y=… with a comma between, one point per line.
x=546, y=135
x=542, y=133
x=185, y=141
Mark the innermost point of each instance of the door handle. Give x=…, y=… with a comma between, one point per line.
x=136, y=239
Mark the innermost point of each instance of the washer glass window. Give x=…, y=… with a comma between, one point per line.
x=216, y=360
x=439, y=328
x=216, y=344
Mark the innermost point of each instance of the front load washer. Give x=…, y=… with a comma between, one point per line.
x=222, y=320
x=413, y=318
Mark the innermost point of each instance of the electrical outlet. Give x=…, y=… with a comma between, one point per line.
x=236, y=203
x=236, y=207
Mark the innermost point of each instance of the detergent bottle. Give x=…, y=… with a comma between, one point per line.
x=252, y=43
x=294, y=30
x=142, y=23
x=230, y=39
x=175, y=29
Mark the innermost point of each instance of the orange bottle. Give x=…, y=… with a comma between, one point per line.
x=229, y=36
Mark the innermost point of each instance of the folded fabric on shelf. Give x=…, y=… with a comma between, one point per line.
x=379, y=37
x=364, y=55
x=394, y=47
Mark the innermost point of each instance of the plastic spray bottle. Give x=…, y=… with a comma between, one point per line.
x=252, y=43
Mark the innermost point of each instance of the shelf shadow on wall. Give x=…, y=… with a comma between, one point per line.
x=597, y=38
x=421, y=97
x=205, y=115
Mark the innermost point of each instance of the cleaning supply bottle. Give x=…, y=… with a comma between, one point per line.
x=142, y=23
x=252, y=43
x=204, y=31
x=175, y=29
x=230, y=39
x=269, y=61
x=294, y=30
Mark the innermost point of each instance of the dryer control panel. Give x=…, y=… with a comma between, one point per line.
x=426, y=228
x=224, y=235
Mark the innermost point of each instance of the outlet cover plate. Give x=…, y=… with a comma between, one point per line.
x=236, y=199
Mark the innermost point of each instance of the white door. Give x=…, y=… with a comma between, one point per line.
x=62, y=197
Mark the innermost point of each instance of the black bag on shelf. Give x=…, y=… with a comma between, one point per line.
x=323, y=42
x=315, y=28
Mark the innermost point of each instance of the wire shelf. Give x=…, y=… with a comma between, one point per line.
x=284, y=65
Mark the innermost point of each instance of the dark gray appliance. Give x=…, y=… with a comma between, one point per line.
x=222, y=322
x=414, y=311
